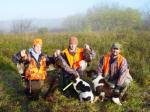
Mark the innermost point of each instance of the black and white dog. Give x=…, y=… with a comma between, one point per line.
x=84, y=90
x=103, y=89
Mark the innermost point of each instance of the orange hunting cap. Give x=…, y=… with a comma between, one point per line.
x=37, y=41
x=73, y=40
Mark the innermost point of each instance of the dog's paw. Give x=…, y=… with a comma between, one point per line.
x=96, y=99
x=117, y=101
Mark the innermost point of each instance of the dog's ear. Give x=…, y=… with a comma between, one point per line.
x=82, y=87
x=87, y=88
x=99, y=89
x=106, y=84
x=79, y=85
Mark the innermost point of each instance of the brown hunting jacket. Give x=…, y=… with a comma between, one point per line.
x=115, y=73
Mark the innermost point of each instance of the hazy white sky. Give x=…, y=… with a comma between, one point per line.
x=51, y=9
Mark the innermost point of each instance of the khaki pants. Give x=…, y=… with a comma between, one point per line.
x=125, y=85
x=36, y=86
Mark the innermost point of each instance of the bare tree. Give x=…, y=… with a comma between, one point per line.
x=22, y=26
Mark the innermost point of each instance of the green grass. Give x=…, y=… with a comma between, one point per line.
x=136, y=49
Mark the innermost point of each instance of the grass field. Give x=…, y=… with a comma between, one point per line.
x=136, y=49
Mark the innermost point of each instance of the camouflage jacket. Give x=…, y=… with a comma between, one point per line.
x=62, y=60
x=18, y=59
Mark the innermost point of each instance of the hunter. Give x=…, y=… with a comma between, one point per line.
x=114, y=68
x=35, y=71
x=74, y=61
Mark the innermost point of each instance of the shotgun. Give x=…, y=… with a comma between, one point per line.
x=29, y=58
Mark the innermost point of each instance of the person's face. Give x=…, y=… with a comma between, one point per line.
x=115, y=51
x=37, y=48
x=72, y=46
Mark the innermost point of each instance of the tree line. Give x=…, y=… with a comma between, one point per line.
x=100, y=18
x=108, y=19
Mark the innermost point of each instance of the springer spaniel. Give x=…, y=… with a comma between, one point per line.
x=84, y=90
x=103, y=89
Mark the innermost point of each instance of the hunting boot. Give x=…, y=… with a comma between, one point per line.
x=51, y=99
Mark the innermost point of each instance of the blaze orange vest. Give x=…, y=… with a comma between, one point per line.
x=106, y=62
x=74, y=60
x=33, y=72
